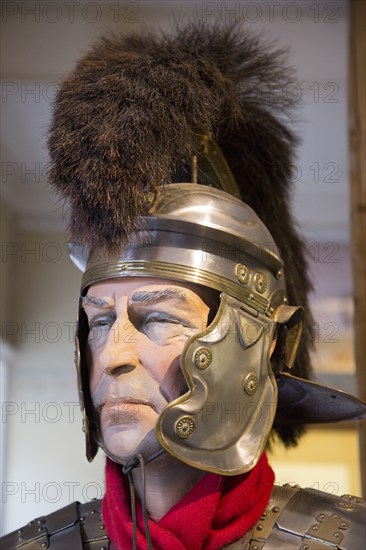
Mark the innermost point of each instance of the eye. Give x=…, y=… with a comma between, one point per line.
x=99, y=329
x=102, y=322
x=161, y=327
x=162, y=318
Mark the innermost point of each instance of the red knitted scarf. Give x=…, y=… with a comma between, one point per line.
x=215, y=513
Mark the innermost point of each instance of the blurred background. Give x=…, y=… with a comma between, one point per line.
x=43, y=464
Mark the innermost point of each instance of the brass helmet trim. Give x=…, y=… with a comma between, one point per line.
x=180, y=272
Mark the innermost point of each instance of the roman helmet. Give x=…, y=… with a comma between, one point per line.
x=174, y=154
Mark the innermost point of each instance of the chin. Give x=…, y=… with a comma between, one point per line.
x=121, y=443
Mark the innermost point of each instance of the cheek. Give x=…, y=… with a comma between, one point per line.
x=94, y=371
x=159, y=359
x=173, y=384
x=163, y=363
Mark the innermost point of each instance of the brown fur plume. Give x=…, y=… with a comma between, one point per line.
x=129, y=115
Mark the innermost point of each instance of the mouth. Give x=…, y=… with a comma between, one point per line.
x=121, y=402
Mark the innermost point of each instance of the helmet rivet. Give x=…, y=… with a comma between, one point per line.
x=242, y=273
x=260, y=282
x=184, y=427
x=149, y=199
x=202, y=358
x=250, y=384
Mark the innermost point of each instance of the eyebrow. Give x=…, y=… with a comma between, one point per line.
x=142, y=297
x=96, y=301
x=147, y=297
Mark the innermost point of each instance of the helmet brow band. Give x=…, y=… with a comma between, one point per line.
x=146, y=268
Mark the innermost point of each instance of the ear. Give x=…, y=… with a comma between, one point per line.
x=292, y=317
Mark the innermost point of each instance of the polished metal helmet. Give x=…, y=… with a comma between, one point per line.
x=198, y=234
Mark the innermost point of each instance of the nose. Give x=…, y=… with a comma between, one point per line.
x=120, y=353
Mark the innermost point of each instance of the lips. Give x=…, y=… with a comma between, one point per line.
x=121, y=404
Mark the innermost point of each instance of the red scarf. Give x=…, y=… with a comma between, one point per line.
x=216, y=512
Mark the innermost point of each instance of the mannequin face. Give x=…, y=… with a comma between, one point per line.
x=138, y=328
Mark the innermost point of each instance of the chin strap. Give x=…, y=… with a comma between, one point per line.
x=138, y=460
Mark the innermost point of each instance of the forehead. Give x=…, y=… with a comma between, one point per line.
x=132, y=287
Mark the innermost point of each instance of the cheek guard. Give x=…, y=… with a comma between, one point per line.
x=222, y=424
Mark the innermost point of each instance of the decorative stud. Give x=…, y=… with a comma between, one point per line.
x=202, y=358
x=242, y=273
x=345, y=505
x=250, y=384
x=185, y=427
x=149, y=199
x=260, y=282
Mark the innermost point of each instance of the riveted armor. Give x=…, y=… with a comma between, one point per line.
x=294, y=519
x=73, y=527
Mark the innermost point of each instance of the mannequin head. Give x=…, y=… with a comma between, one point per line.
x=138, y=328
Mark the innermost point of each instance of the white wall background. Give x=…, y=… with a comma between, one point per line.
x=43, y=455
